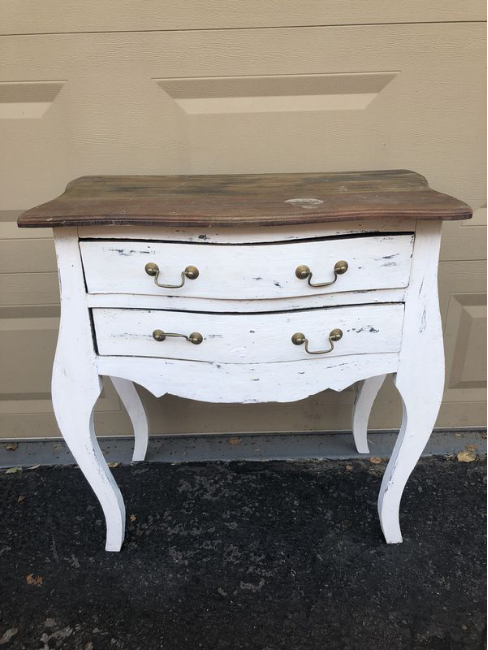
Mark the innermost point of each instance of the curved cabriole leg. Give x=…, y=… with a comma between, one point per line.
x=76, y=386
x=420, y=377
x=74, y=415
x=419, y=416
x=134, y=407
x=365, y=397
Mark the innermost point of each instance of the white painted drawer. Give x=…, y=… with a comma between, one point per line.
x=247, y=272
x=248, y=338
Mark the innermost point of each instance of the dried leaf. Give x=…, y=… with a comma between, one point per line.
x=348, y=468
x=113, y=464
x=9, y=634
x=133, y=517
x=33, y=467
x=458, y=435
x=34, y=580
x=21, y=498
x=13, y=470
x=234, y=441
x=471, y=448
x=375, y=460
x=12, y=446
x=466, y=456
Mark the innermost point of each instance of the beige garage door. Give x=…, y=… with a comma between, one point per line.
x=250, y=86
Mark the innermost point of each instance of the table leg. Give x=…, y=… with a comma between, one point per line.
x=74, y=415
x=419, y=416
x=76, y=386
x=419, y=379
x=135, y=409
x=365, y=397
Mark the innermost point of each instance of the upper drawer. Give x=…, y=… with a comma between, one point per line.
x=248, y=272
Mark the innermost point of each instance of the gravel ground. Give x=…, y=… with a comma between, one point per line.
x=261, y=556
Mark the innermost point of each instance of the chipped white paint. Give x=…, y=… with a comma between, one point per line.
x=304, y=203
x=180, y=303
x=76, y=386
x=135, y=409
x=247, y=383
x=386, y=304
x=247, y=235
x=420, y=376
x=249, y=272
x=248, y=338
x=365, y=397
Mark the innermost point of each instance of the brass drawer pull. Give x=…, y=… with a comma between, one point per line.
x=300, y=339
x=195, y=337
x=191, y=272
x=303, y=272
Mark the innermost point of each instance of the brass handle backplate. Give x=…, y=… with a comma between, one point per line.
x=191, y=272
x=300, y=339
x=303, y=272
x=195, y=337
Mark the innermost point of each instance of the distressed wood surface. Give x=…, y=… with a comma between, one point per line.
x=366, y=394
x=419, y=379
x=243, y=199
x=247, y=383
x=248, y=338
x=249, y=272
x=137, y=414
x=210, y=305
x=76, y=386
x=249, y=357
x=245, y=234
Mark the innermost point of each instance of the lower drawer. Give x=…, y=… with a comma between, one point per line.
x=249, y=338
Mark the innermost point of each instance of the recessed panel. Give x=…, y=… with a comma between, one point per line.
x=466, y=337
x=282, y=93
x=26, y=99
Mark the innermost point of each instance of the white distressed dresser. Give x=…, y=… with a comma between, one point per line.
x=248, y=288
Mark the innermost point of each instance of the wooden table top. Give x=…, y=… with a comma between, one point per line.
x=244, y=199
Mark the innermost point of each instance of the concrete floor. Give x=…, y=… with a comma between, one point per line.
x=183, y=448
x=244, y=555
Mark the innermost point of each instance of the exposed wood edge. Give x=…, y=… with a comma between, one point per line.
x=202, y=221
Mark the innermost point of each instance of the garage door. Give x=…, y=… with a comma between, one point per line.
x=118, y=88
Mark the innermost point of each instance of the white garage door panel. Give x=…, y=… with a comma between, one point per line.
x=32, y=16
x=113, y=115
